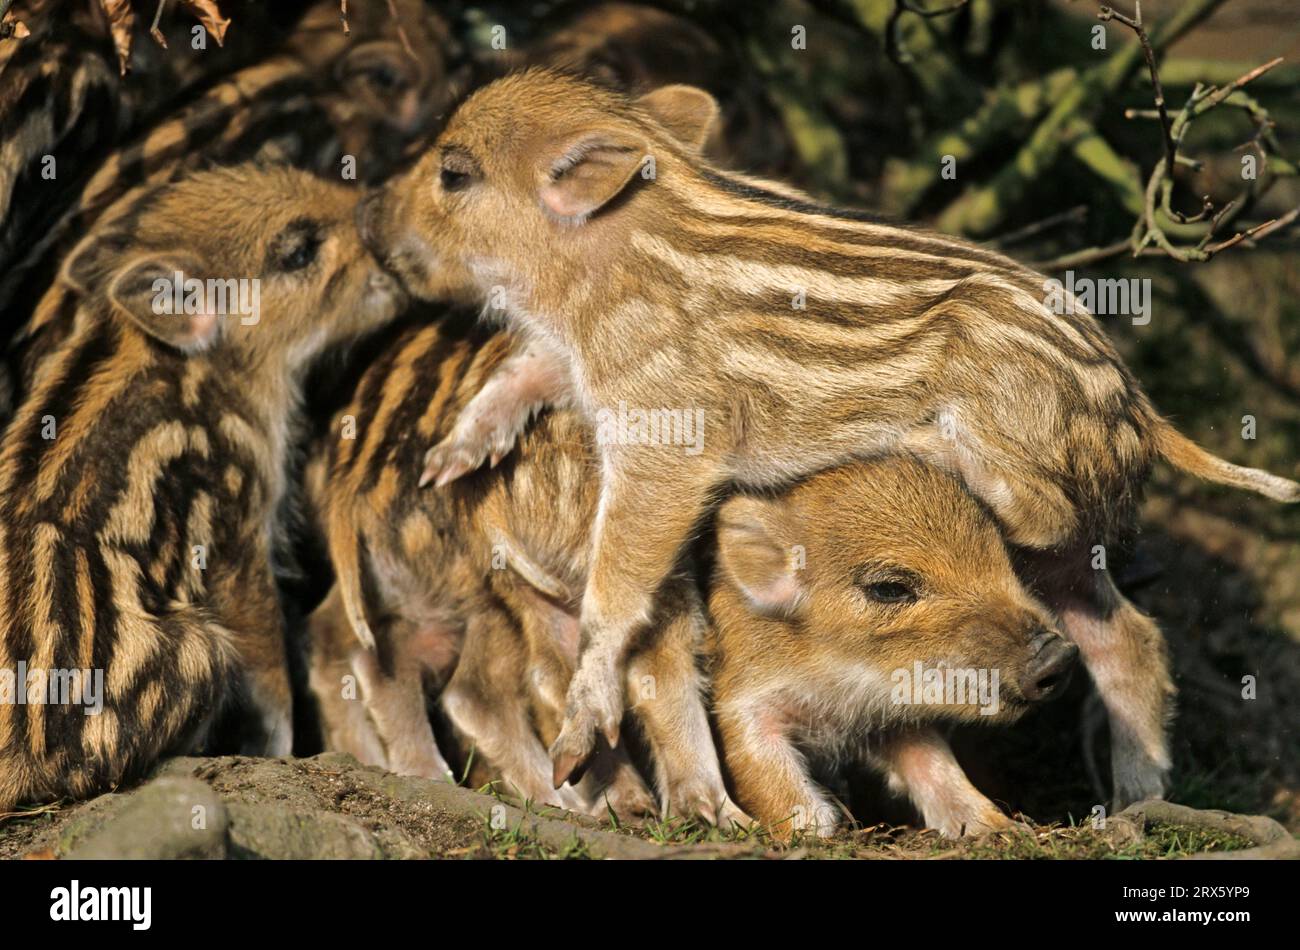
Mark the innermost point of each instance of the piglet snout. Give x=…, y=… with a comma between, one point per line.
x=1048, y=671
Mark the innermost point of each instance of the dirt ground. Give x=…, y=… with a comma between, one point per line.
x=331, y=807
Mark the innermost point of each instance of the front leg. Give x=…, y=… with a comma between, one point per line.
x=650, y=503
x=919, y=763
x=531, y=378
x=769, y=774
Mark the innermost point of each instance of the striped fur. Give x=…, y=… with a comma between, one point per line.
x=318, y=100
x=61, y=96
x=676, y=285
x=141, y=484
x=489, y=569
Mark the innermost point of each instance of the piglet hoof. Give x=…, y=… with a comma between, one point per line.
x=448, y=461
x=987, y=823
x=572, y=749
x=628, y=804
x=818, y=819
x=1135, y=781
x=707, y=801
x=731, y=816
x=478, y=437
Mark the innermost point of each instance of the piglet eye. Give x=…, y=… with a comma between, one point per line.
x=453, y=180
x=296, y=247
x=300, y=256
x=889, y=592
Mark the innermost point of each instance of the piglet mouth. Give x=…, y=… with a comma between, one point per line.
x=407, y=268
x=386, y=286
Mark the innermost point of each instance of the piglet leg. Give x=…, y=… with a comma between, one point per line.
x=489, y=426
x=919, y=763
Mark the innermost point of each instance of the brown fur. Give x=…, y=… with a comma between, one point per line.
x=457, y=567
x=806, y=654
x=61, y=95
x=493, y=565
x=805, y=336
x=323, y=97
x=141, y=479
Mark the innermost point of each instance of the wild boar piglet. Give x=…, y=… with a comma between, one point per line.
x=802, y=336
x=142, y=478
x=855, y=613
x=427, y=581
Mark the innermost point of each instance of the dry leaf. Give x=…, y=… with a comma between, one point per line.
x=121, y=22
x=209, y=14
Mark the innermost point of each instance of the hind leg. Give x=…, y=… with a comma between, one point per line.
x=392, y=683
x=1125, y=654
x=345, y=726
x=486, y=702
x=550, y=632
x=1031, y=508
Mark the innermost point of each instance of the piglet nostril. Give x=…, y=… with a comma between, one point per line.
x=1048, y=671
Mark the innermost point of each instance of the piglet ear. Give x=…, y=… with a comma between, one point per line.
x=91, y=262
x=582, y=173
x=689, y=113
x=145, y=290
x=756, y=554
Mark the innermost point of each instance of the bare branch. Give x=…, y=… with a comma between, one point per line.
x=1075, y=215
x=1135, y=24
x=1148, y=234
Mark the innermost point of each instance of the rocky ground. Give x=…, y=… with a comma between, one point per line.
x=329, y=806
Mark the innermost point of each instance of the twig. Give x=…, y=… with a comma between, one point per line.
x=343, y=14
x=1258, y=232
x=1158, y=195
x=1076, y=215
x=154, y=30
x=1083, y=258
x=401, y=31
x=1135, y=24
x=980, y=209
x=1094, y=255
x=893, y=42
